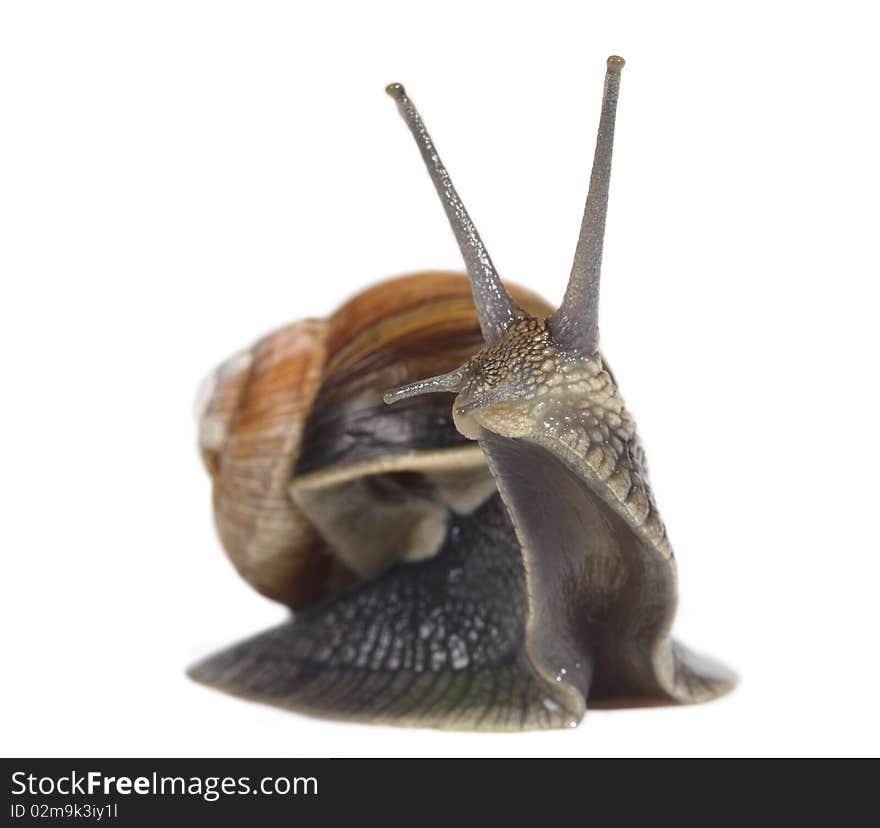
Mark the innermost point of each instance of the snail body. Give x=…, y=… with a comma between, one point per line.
x=497, y=563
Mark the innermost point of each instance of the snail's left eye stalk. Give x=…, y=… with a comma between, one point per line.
x=496, y=310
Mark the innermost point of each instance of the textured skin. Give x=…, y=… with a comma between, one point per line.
x=601, y=600
x=525, y=387
x=525, y=613
x=600, y=570
x=438, y=643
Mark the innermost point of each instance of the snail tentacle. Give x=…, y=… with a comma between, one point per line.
x=576, y=323
x=444, y=383
x=496, y=309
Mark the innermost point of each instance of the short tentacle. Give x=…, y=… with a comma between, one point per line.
x=450, y=383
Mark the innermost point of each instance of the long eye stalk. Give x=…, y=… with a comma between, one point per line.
x=496, y=310
x=575, y=324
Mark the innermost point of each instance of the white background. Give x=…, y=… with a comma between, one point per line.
x=178, y=178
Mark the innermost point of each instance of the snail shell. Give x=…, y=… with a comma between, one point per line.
x=306, y=458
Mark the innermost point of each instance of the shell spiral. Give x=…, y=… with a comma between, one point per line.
x=302, y=409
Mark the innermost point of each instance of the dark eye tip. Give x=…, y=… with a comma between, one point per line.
x=396, y=91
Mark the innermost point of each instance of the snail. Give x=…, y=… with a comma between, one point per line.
x=480, y=549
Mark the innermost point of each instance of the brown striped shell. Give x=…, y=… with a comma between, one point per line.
x=301, y=411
